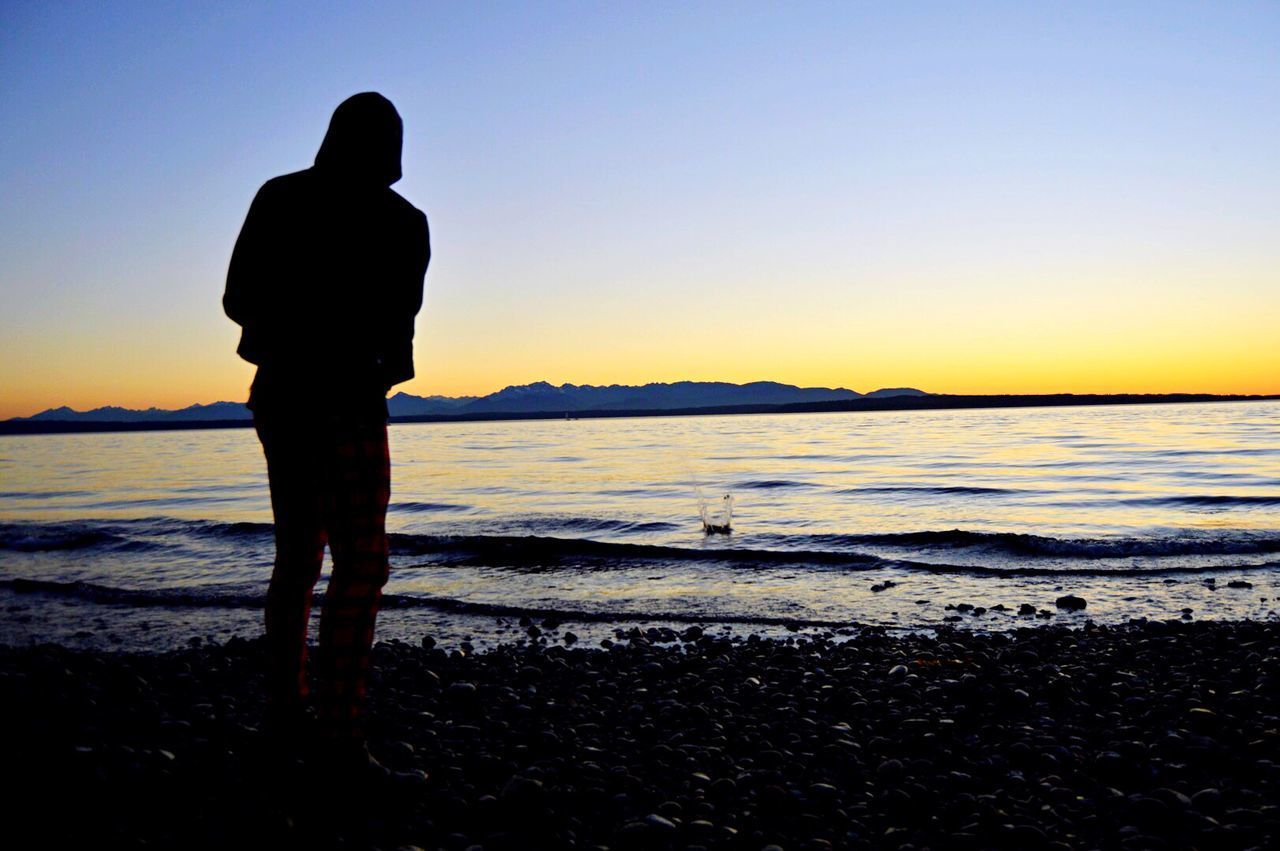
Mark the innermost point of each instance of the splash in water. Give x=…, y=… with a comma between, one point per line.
x=717, y=520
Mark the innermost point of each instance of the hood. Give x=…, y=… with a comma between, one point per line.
x=364, y=141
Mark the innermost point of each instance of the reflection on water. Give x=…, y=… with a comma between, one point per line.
x=1089, y=489
x=1050, y=471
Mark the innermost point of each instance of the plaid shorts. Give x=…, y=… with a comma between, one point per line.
x=330, y=484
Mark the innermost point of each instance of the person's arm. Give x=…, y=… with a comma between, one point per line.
x=418, y=271
x=243, y=299
x=397, y=359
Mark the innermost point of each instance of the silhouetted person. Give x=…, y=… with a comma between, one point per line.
x=325, y=280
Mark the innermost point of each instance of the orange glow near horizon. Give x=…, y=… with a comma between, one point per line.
x=1193, y=347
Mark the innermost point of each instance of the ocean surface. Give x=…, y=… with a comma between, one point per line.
x=145, y=540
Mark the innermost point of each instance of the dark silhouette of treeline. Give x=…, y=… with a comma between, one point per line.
x=933, y=402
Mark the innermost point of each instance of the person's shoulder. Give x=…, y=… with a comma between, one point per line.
x=404, y=208
x=287, y=186
x=292, y=180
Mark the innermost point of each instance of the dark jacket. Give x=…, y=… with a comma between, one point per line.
x=327, y=274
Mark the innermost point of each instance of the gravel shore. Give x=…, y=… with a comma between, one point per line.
x=1145, y=735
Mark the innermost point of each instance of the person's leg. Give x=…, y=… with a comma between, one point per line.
x=296, y=502
x=355, y=515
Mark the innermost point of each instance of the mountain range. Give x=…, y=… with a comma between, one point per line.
x=538, y=397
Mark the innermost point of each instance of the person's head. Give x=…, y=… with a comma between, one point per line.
x=364, y=140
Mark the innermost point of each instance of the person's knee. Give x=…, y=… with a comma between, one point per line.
x=366, y=570
x=297, y=568
x=370, y=571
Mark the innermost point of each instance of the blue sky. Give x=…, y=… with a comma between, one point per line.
x=970, y=196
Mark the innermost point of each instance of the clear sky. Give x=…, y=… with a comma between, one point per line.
x=962, y=197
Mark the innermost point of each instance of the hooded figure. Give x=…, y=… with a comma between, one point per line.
x=364, y=141
x=327, y=274
x=325, y=280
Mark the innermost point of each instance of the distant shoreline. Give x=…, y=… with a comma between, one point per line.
x=934, y=402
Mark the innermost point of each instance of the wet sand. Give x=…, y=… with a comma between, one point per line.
x=1146, y=735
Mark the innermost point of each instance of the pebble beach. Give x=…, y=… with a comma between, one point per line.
x=1150, y=734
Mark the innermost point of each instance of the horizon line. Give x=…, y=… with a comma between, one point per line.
x=390, y=394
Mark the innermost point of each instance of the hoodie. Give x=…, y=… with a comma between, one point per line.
x=327, y=274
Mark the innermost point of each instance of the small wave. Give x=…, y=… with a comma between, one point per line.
x=1021, y=544
x=449, y=604
x=212, y=529
x=955, y=490
x=121, y=535
x=205, y=488
x=237, y=597
x=40, y=494
x=536, y=549
x=581, y=553
x=94, y=593
x=134, y=597
x=422, y=507
x=772, y=484
x=580, y=525
x=523, y=542
x=1203, y=500
x=30, y=538
x=165, y=502
x=1234, y=478
x=1243, y=450
x=650, y=526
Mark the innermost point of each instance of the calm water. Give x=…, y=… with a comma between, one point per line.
x=1140, y=509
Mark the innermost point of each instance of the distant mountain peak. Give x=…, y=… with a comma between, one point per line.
x=886, y=392
x=536, y=397
x=541, y=396
x=114, y=414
